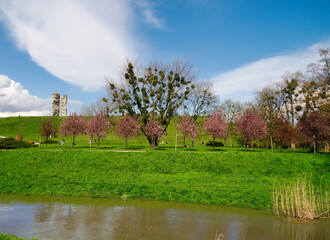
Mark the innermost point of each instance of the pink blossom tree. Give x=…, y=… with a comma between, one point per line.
x=73, y=125
x=285, y=132
x=98, y=126
x=216, y=126
x=49, y=127
x=127, y=128
x=315, y=126
x=251, y=126
x=188, y=129
x=154, y=131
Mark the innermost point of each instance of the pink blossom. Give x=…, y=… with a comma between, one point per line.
x=73, y=125
x=128, y=128
x=188, y=128
x=216, y=126
x=98, y=126
x=154, y=131
x=251, y=126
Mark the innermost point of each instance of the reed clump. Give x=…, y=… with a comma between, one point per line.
x=300, y=199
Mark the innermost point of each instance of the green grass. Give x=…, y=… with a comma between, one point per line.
x=12, y=237
x=226, y=177
x=30, y=128
x=10, y=143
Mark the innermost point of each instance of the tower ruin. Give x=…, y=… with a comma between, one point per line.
x=64, y=101
x=56, y=104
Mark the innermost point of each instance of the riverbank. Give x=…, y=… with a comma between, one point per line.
x=12, y=237
x=224, y=178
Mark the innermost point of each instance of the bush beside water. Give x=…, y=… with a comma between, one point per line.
x=12, y=237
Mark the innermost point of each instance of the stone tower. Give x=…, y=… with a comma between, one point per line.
x=56, y=104
x=64, y=101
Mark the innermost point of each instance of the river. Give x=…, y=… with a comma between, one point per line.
x=85, y=218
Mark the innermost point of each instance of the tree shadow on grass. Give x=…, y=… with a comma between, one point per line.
x=190, y=150
x=218, y=150
x=250, y=150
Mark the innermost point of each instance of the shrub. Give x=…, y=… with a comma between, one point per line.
x=216, y=144
x=50, y=142
x=11, y=143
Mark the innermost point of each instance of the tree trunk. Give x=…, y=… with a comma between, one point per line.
x=193, y=143
x=245, y=144
x=152, y=142
x=213, y=142
x=271, y=143
x=314, y=142
x=126, y=142
x=156, y=142
x=225, y=142
x=73, y=140
x=184, y=142
x=98, y=142
x=292, y=112
x=46, y=140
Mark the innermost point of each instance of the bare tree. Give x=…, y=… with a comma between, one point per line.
x=289, y=93
x=230, y=109
x=201, y=101
x=321, y=69
x=316, y=86
x=95, y=108
x=269, y=103
x=184, y=67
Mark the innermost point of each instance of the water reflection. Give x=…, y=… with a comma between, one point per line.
x=80, y=218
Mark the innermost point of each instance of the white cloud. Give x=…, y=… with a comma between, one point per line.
x=15, y=100
x=149, y=14
x=79, y=41
x=240, y=83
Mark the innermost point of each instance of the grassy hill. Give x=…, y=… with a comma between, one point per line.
x=228, y=176
x=29, y=127
x=237, y=178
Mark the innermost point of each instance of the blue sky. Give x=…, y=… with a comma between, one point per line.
x=70, y=46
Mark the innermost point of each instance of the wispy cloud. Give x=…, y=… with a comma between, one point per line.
x=240, y=83
x=149, y=14
x=79, y=41
x=15, y=100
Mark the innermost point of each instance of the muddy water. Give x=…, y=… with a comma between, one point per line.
x=83, y=218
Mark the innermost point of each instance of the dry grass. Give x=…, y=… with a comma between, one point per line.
x=300, y=199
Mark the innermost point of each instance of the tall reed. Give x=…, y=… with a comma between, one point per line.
x=299, y=198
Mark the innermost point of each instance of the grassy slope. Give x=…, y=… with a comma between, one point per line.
x=227, y=178
x=29, y=126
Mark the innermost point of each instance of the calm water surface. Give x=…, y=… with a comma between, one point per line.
x=83, y=218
